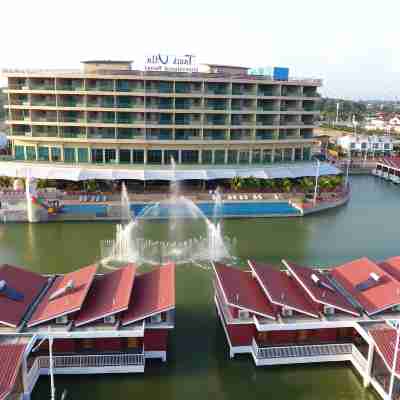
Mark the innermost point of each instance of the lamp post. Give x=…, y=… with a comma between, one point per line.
x=316, y=181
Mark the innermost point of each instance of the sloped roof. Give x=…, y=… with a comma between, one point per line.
x=27, y=283
x=243, y=291
x=10, y=361
x=70, y=302
x=282, y=290
x=385, y=340
x=108, y=295
x=153, y=293
x=317, y=293
x=377, y=298
x=392, y=267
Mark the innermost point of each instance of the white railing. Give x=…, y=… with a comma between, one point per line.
x=33, y=375
x=92, y=361
x=318, y=350
x=359, y=358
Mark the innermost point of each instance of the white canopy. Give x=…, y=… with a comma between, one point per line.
x=201, y=172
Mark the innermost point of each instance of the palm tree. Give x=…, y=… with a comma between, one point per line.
x=287, y=185
x=236, y=183
x=306, y=184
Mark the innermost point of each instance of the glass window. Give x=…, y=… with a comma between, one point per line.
x=297, y=154
x=154, y=156
x=232, y=156
x=307, y=153
x=69, y=154
x=83, y=155
x=43, y=153
x=256, y=156
x=19, y=152
x=190, y=156
x=124, y=156
x=244, y=157
x=267, y=156
x=110, y=156
x=97, y=156
x=206, y=156
x=287, y=154
x=55, y=154
x=169, y=154
x=219, y=156
x=30, y=153
x=137, y=156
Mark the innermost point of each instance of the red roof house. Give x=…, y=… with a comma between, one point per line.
x=153, y=293
x=392, y=267
x=108, y=295
x=241, y=290
x=282, y=290
x=65, y=296
x=27, y=284
x=10, y=361
x=319, y=288
x=369, y=284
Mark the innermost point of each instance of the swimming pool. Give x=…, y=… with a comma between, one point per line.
x=228, y=209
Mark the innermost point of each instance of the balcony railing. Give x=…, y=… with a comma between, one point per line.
x=317, y=350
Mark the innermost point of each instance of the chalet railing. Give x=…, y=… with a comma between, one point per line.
x=33, y=375
x=92, y=361
x=301, y=351
x=359, y=358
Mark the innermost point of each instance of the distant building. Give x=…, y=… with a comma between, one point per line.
x=362, y=143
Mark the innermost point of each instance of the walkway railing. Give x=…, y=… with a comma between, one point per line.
x=301, y=351
x=92, y=361
x=359, y=358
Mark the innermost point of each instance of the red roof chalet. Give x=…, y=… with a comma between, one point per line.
x=370, y=285
x=385, y=340
x=241, y=290
x=108, y=295
x=27, y=284
x=65, y=296
x=282, y=290
x=153, y=293
x=10, y=361
x=320, y=288
x=392, y=267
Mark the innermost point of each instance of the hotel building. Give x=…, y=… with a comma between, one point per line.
x=81, y=323
x=111, y=115
x=304, y=315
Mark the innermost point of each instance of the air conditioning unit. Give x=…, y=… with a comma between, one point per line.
x=243, y=314
x=156, y=319
x=62, y=320
x=328, y=310
x=110, y=319
x=287, y=312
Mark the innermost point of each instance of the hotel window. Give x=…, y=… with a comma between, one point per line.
x=43, y=153
x=110, y=156
x=244, y=157
x=297, y=154
x=154, y=156
x=287, y=154
x=267, y=156
x=307, y=153
x=256, y=156
x=19, y=152
x=232, y=156
x=206, y=157
x=219, y=156
x=30, y=153
x=83, y=155
x=137, y=156
x=55, y=154
x=278, y=155
x=190, y=156
x=169, y=154
x=124, y=156
x=87, y=344
x=69, y=154
x=97, y=156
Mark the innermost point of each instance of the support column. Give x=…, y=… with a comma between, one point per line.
x=367, y=375
x=162, y=157
x=272, y=155
x=293, y=154
x=179, y=156
x=200, y=160
x=212, y=157
x=226, y=157
x=145, y=156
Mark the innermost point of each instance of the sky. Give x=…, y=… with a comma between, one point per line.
x=353, y=45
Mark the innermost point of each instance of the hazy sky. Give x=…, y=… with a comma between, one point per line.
x=353, y=45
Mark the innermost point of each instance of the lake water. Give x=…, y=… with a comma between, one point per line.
x=198, y=366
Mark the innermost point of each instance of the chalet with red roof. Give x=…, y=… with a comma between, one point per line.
x=93, y=323
x=306, y=315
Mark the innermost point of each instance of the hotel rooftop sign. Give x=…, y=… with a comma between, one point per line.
x=171, y=63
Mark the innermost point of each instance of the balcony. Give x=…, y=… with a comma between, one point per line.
x=73, y=135
x=44, y=86
x=43, y=103
x=123, y=86
x=214, y=136
x=186, y=136
x=86, y=364
x=265, y=136
x=70, y=88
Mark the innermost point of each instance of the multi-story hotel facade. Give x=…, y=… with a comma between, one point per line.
x=109, y=114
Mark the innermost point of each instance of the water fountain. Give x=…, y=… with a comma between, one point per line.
x=189, y=236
